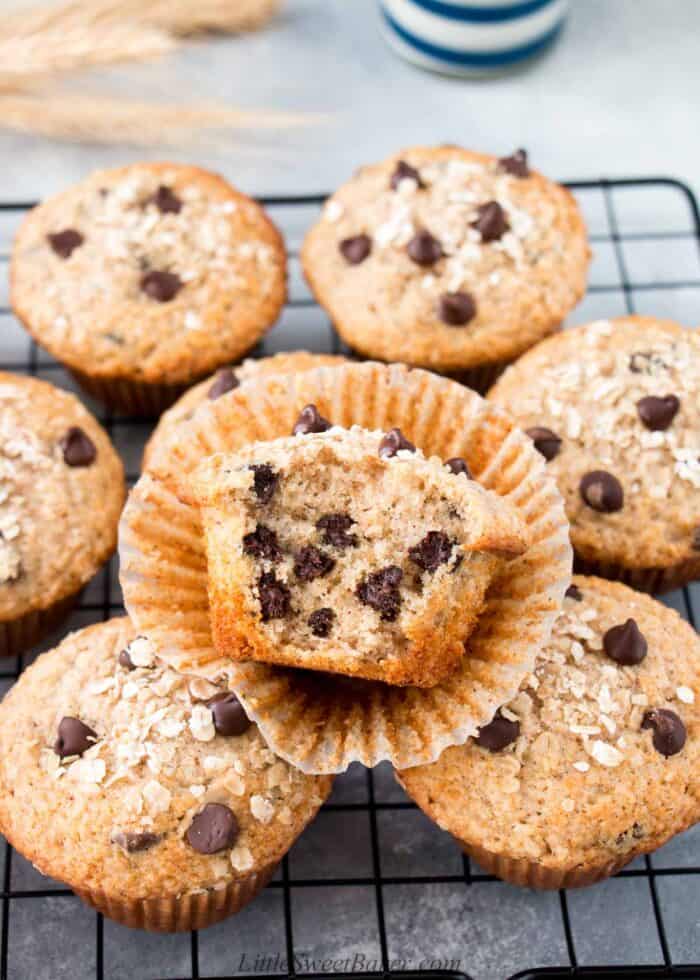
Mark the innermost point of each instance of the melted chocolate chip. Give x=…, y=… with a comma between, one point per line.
x=229, y=715
x=695, y=540
x=547, y=443
x=491, y=222
x=573, y=592
x=64, y=243
x=78, y=448
x=262, y=544
x=625, y=644
x=213, y=829
x=265, y=481
x=161, y=286
x=166, y=200
x=456, y=309
x=658, y=413
x=404, y=171
x=669, y=731
x=516, y=164
x=424, y=249
x=133, y=843
x=335, y=529
x=393, y=442
x=74, y=737
x=457, y=465
x=380, y=590
x=310, y=420
x=224, y=381
x=434, y=550
x=125, y=661
x=321, y=622
x=275, y=597
x=602, y=491
x=498, y=733
x=355, y=250
x=312, y=563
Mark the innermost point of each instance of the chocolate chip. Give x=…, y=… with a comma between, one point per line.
x=547, y=443
x=457, y=465
x=404, y=171
x=133, y=843
x=161, y=286
x=74, y=737
x=456, y=309
x=602, y=491
x=498, y=733
x=516, y=164
x=262, y=544
x=229, y=714
x=695, y=540
x=573, y=592
x=434, y=550
x=275, y=597
x=64, y=243
x=310, y=420
x=321, y=621
x=658, y=413
x=224, y=381
x=78, y=448
x=166, y=200
x=335, y=529
x=312, y=563
x=355, y=250
x=625, y=644
x=424, y=249
x=125, y=661
x=669, y=731
x=213, y=829
x=393, y=442
x=491, y=221
x=265, y=481
x=380, y=590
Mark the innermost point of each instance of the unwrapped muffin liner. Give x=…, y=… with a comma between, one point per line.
x=319, y=722
x=180, y=913
x=137, y=398
x=651, y=580
x=19, y=635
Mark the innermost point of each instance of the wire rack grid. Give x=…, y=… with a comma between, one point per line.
x=373, y=888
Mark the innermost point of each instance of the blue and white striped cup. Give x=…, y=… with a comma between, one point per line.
x=471, y=37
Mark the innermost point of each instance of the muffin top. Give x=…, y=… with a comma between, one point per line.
x=121, y=775
x=154, y=272
x=598, y=756
x=225, y=380
x=446, y=258
x=620, y=403
x=61, y=492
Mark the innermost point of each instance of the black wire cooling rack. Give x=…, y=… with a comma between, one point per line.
x=372, y=888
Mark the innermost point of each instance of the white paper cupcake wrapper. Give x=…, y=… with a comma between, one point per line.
x=318, y=722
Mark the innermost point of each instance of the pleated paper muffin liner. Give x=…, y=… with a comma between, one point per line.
x=180, y=913
x=530, y=874
x=136, y=398
x=652, y=580
x=19, y=635
x=319, y=722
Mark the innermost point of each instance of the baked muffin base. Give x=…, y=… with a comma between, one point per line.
x=130, y=397
x=529, y=874
x=18, y=635
x=651, y=580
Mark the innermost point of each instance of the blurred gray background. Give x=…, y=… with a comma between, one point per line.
x=618, y=95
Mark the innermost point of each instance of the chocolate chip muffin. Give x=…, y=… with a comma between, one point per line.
x=228, y=379
x=614, y=408
x=144, y=279
x=448, y=259
x=349, y=551
x=597, y=759
x=149, y=793
x=61, y=492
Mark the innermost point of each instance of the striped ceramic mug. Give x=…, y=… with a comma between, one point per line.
x=471, y=37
